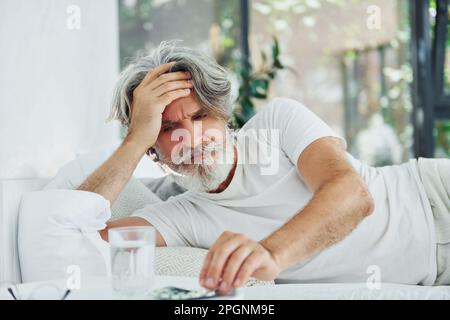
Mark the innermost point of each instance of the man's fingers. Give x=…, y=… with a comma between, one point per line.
x=225, y=236
x=219, y=259
x=233, y=265
x=222, y=238
x=249, y=266
x=204, y=270
x=168, y=97
x=166, y=77
x=155, y=73
x=171, y=86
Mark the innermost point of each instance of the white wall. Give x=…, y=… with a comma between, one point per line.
x=55, y=83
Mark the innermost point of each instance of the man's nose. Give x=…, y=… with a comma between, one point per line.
x=195, y=136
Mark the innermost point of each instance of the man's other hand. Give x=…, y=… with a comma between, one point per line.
x=233, y=259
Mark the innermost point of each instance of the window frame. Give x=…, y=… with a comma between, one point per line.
x=442, y=104
x=430, y=101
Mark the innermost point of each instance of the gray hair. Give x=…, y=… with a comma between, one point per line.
x=211, y=83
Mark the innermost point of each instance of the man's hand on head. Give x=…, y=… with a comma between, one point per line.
x=233, y=259
x=150, y=98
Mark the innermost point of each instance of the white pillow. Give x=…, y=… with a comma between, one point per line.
x=133, y=197
x=58, y=229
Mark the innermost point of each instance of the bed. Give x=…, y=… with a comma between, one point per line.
x=11, y=192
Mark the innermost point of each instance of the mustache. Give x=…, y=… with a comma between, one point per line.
x=187, y=152
x=180, y=168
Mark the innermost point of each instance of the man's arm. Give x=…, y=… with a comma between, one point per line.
x=110, y=179
x=113, y=175
x=157, y=90
x=341, y=200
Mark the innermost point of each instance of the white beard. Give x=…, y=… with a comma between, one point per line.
x=203, y=177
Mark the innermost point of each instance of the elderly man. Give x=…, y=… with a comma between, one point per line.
x=280, y=199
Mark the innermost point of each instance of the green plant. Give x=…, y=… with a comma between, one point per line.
x=255, y=85
x=442, y=137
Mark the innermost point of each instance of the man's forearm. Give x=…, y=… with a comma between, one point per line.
x=333, y=212
x=112, y=176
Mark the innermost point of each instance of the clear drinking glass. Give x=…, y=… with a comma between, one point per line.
x=132, y=259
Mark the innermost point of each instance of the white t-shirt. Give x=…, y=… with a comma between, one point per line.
x=396, y=242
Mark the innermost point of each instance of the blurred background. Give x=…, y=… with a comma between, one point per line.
x=378, y=72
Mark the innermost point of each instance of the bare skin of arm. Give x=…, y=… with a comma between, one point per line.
x=110, y=179
x=157, y=90
x=340, y=202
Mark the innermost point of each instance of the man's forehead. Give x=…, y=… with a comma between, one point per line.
x=180, y=109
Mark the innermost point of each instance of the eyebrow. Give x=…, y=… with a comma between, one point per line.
x=198, y=112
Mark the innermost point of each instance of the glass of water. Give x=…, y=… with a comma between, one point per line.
x=132, y=259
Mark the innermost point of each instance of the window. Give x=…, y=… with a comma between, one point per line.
x=354, y=75
x=212, y=26
x=355, y=63
x=429, y=21
x=440, y=11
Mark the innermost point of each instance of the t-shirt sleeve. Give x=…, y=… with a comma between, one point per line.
x=171, y=220
x=298, y=126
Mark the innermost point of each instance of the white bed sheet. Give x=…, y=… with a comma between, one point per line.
x=100, y=288
x=348, y=291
